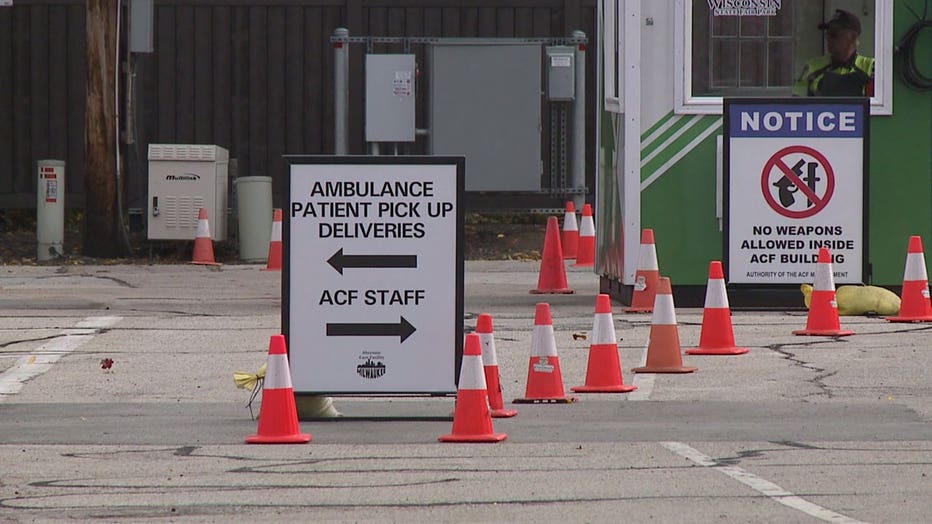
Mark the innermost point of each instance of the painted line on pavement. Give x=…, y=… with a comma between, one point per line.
x=760, y=485
x=42, y=358
x=644, y=381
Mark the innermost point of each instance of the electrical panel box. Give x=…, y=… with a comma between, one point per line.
x=182, y=179
x=485, y=104
x=390, y=98
x=139, y=34
x=561, y=73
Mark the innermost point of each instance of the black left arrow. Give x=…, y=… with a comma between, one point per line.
x=402, y=329
x=339, y=261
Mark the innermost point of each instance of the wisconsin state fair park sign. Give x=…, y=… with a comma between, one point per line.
x=795, y=181
x=372, y=293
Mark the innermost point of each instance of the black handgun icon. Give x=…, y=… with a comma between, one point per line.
x=787, y=188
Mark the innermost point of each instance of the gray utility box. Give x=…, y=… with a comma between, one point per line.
x=390, y=98
x=182, y=179
x=561, y=73
x=485, y=104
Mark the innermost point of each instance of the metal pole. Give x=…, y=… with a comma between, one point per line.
x=578, y=176
x=341, y=91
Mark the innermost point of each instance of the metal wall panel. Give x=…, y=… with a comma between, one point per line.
x=485, y=104
x=255, y=77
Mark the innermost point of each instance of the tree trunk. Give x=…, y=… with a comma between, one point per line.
x=102, y=236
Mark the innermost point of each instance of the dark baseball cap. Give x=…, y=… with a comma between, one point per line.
x=843, y=20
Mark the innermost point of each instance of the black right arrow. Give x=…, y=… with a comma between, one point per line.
x=340, y=261
x=402, y=329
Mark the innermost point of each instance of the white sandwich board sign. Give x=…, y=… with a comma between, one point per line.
x=372, y=283
x=795, y=180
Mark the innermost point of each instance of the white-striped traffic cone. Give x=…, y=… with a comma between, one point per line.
x=823, y=309
x=915, y=305
x=493, y=384
x=203, y=244
x=646, y=276
x=663, y=350
x=570, y=231
x=544, y=379
x=278, y=417
x=275, y=243
x=472, y=421
x=603, y=374
x=717, y=336
x=585, y=247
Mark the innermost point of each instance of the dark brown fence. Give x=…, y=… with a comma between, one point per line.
x=254, y=77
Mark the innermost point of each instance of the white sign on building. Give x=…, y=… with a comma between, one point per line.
x=373, y=274
x=795, y=181
x=745, y=7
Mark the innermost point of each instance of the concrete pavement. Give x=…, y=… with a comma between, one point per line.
x=801, y=429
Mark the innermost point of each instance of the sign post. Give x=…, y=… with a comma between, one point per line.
x=795, y=181
x=372, y=292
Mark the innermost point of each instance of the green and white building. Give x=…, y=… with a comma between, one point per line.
x=665, y=69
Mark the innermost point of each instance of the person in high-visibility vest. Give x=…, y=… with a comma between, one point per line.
x=842, y=71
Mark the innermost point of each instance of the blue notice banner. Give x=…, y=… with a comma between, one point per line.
x=796, y=120
x=794, y=180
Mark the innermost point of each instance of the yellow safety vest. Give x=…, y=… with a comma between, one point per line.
x=822, y=78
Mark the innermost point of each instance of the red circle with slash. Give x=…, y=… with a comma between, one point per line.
x=776, y=161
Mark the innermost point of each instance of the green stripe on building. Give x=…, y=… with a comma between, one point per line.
x=677, y=146
x=658, y=141
x=656, y=125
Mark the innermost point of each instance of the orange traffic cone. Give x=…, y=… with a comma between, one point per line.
x=717, y=336
x=646, y=276
x=275, y=243
x=472, y=421
x=823, y=309
x=552, y=278
x=493, y=385
x=604, y=372
x=203, y=245
x=570, y=231
x=663, y=350
x=585, y=250
x=544, y=380
x=278, y=416
x=915, y=305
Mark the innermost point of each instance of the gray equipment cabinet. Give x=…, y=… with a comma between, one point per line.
x=482, y=98
x=486, y=105
x=390, y=98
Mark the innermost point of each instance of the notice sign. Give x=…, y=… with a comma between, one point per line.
x=373, y=274
x=795, y=181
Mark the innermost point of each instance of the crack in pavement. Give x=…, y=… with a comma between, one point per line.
x=25, y=340
x=821, y=373
x=66, y=272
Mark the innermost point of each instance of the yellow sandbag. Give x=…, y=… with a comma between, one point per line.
x=860, y=300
